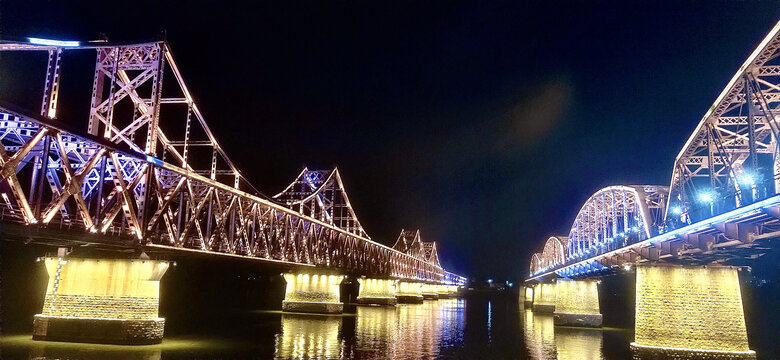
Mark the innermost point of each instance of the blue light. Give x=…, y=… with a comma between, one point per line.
x=706, y=197
x=154, y=160
x=490, y=281
x=676, y=210
x=48, y=42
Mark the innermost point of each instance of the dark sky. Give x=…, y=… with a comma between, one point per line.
x=484, y=124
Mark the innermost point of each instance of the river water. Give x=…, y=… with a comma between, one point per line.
x=471, y=328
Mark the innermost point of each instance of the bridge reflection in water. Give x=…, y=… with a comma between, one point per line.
x=546, y=342
x=401, y=332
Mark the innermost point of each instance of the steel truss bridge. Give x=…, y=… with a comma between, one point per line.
x=150, y=175
x=723, y=200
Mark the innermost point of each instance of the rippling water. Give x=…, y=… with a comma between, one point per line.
x=474, y=328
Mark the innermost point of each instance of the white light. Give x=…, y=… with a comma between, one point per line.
x=626, y=267
x=746, y=179
x=676, y=210
x=705, y=197
x=48, y=42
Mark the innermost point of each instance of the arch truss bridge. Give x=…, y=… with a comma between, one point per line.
x=723, y=199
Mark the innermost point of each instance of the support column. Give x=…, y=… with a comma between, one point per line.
x=313, y=293
x=577, y=303
x=429, y=292
x=444, y=291
x=689, y=312
x=409, y=292
x=377, y=291
x=528, y=299
x=111, y=301
x=544, y=298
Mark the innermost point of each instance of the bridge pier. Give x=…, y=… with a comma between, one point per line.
x=544, y=298
x=577, y=303
x=409, y=292
x=430, y=292
x=528, y=299
x=111, y=301
x=686, y=312
x=447, y=291
x=313, y=293
x=377, y=291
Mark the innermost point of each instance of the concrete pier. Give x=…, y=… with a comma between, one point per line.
x=377, y=291
x=577, y=303
x=544, y=298
x=313, y=293
x=409, y=292
x=689, y=313
x=430, y=292
x=528, y=297
x=447, y=291
x=113, y=301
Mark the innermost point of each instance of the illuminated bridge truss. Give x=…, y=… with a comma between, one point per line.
x=723, y=192
x=611, y=218
x=130, y=184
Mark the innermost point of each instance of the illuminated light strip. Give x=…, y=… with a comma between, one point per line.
x=693, y=350
x=701, y=225
x=49, y=42
x=289, y=263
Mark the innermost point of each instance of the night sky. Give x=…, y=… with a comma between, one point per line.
x=486, y=125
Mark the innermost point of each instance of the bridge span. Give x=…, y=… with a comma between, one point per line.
x=149, y=178
x=684, y=241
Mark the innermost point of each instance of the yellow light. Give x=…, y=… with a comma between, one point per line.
x=577, y=297
x=689, y=308
x=111, y=289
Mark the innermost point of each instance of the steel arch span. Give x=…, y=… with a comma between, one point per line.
x=722, y=200
x=150, y=175
x=611, y=218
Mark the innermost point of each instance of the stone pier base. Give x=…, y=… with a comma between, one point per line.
x=577, y=303
x=582, y=320
x=377, y=292
x=689, y=312
x=544, y=308
x=313, y=293
x=410, y=299
x=313, y=307
x=640, y=352
x=101, y=331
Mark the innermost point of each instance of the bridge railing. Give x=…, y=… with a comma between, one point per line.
x=53, y=178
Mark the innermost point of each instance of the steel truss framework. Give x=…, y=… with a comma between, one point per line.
x=730, y=162
x=130, y=178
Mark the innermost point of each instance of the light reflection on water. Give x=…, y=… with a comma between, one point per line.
x=409, y=331
x=545, y=341
x=434, y=329
x=309, y=336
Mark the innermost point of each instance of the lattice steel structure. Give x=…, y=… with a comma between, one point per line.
x=723, y=192
x=150, y=174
